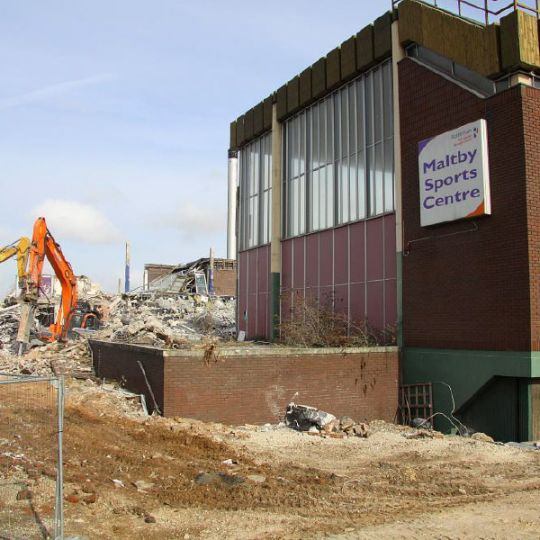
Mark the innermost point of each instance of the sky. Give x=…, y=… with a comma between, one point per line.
x=114, y=117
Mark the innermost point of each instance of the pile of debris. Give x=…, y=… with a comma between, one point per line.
x=312, y=420
x=169, y=321
x=9, y=325
x=71, y=359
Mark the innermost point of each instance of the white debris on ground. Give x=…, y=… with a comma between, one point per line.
x=152, y=319
x=169, y=321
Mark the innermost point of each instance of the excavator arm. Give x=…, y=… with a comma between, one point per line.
x=44, y=246
x=20, y=250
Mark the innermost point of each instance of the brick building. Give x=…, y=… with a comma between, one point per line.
x=353, y=191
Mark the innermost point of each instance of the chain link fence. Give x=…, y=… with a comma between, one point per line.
x=31, y=482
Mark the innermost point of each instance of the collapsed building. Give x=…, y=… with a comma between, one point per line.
x=395, y=180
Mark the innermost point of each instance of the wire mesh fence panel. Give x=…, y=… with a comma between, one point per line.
x=31, y=418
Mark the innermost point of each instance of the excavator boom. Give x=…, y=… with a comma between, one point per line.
x=44, y=246
x=20, y=250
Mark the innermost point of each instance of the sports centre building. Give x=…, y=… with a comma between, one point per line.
x=399, y=176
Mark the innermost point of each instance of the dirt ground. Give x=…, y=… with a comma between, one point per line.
x=131, y=476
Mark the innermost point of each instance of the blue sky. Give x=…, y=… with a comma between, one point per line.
x=114, y=116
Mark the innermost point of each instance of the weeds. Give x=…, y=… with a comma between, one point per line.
x=314, y=323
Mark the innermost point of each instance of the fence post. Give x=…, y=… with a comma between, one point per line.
x=59, y=506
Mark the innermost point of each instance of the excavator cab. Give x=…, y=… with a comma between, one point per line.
x=83, y=317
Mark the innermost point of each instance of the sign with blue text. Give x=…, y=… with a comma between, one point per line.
x=454, y=175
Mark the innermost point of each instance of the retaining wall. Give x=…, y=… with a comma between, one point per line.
x=254, y=385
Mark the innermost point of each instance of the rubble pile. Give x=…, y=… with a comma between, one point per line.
x=312, y=420
x=72, y=358
x=9, y=324
x=168, y=321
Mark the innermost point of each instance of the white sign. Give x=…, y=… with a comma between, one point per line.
x=454, y=175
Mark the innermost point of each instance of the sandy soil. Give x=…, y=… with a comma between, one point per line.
x=282, y=484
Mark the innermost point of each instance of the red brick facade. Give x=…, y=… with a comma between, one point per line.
x=256, y=387
x=465, y=288
x=531, y=125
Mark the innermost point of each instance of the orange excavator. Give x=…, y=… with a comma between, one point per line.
x=44, y=246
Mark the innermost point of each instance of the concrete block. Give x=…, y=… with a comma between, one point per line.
x=233, y=145
x=333, y=68
x=348, y=58
x=364, y=48
x=519, y=41
x=293, y=95
x=240, y=136
x=318, y=78
x=306, y=93
x=281, y=100
x=258, y=124
x=248, y=125
x=267, y=112
x=382, y=36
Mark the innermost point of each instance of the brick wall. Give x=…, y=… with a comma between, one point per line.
x=257, y=388
x=119, y=362
x=471, y=290
x=531, y=120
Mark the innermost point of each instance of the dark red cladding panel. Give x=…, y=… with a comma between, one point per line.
x=326, y=258
x=358, y=252
x=341, y=255
x=298, y=262
x=375, y=249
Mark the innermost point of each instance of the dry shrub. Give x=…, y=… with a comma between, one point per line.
x=313, y=323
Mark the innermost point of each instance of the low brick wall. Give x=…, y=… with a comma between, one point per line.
x=254, y=385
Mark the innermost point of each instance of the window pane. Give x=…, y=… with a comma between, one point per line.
x=388, y=176
x=353, y=189
x=378, y=104
x=388, y=101
x=315, y=198
x=344, y=124
x=353, y=119
x=369, y=108
x=361, y=177
x=360, y=100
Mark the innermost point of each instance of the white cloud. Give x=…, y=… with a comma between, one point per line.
x=51, y=91
x=192, y=220
x=73, y=220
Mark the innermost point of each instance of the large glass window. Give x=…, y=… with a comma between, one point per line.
x=256, y=192
x=339, y=153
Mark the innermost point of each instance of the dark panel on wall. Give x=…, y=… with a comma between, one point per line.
x=243, y=269
x=305, y=87
x=348, y=58
x=248, y=125
x=351, y=268
x=258, y=124
x=240, y=134
x=319, y=78
x=382, y=36
x=333, y=68
x=341, y=256
x=267, y=112
x=298, y=262
x=232, y=140
x=293, y=99
x=364, y=48
x=281, y=98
